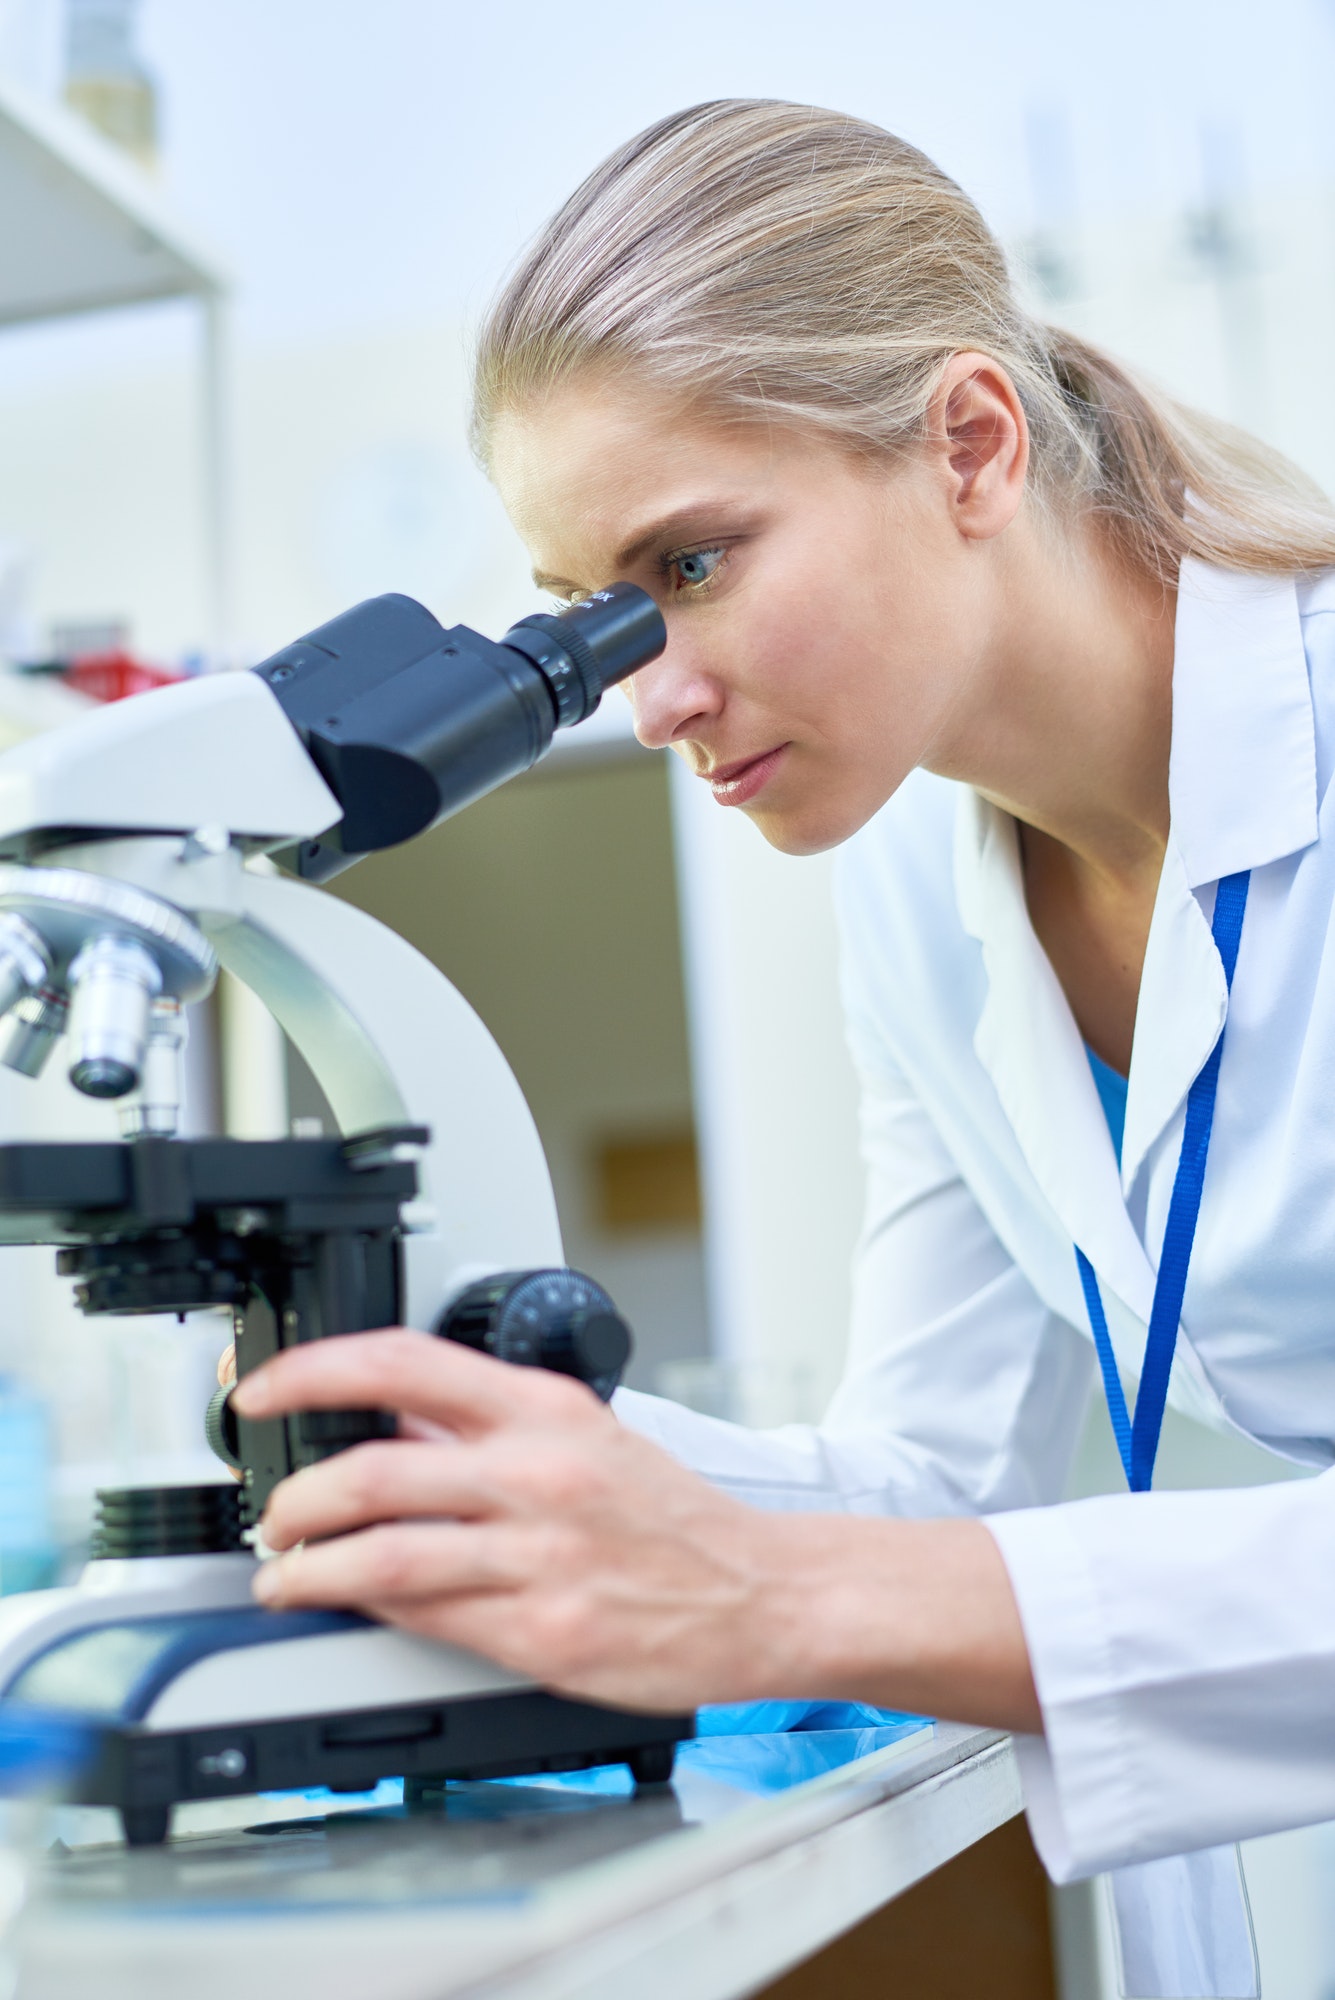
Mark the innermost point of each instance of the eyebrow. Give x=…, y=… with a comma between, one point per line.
x=668, y=528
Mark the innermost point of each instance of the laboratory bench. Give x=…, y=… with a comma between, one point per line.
x=760, y=1852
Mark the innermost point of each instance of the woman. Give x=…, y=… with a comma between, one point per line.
x=1056, y=661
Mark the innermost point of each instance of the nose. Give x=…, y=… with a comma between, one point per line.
x=671, y=697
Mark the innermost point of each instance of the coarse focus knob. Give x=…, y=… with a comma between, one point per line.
x=556, y=1319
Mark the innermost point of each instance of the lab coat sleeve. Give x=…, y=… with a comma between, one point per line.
x=962, y=1393
x=1183, y=1648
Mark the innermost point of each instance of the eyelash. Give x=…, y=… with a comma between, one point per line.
x=670, y=562
x=665, y=565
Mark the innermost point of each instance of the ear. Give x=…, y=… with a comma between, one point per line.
x=978, y=435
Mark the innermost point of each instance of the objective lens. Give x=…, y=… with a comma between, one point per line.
x=156, y=1109
x=590, y=647
x=114, y=982
x=25, y=962
x=36, y=1025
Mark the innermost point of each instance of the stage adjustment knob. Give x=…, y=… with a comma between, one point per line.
x=556, y=1319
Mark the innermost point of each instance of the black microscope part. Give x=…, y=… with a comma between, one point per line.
x=301, y=1238
x=220, y=1432
x=556, y=1319
x=408, y=722
x=132, y=1522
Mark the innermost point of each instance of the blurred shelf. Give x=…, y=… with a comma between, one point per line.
x=81, y=228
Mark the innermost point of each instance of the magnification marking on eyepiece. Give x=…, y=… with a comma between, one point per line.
x=590, y=647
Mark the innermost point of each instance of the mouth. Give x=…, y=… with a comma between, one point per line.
x=737, y=784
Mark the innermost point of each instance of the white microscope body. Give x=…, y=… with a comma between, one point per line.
x=140, y=838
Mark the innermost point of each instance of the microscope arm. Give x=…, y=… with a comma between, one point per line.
x=391, y=1042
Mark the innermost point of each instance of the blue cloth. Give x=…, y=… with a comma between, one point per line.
x=1111, y=1086
x=770, y=1718
x=760, y=1746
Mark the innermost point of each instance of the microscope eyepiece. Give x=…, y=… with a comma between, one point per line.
x=590, y=647
x=407, y=722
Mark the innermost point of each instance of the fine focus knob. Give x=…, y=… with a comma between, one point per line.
x=220, y=1428
x=556, y=1319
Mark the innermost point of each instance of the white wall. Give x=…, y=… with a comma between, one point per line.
x=775, y=1098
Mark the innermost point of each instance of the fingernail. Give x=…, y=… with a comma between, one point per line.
x=268, y=1584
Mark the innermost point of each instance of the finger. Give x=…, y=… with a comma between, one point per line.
x=393, y=1480
x=556, y=1652
x=398, y=1370
x=400, y=1563
x=494, y=1623
x=227, y=1367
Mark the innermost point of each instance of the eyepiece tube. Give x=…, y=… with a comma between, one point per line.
x=590, y=647
x=407, y=722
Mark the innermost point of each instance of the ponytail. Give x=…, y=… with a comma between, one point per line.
x=1168, y=481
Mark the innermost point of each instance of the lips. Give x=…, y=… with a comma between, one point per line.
x=737, y=784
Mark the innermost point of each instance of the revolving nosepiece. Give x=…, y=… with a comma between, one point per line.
x=25, y=961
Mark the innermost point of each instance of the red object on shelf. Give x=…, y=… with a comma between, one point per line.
x=114, y=675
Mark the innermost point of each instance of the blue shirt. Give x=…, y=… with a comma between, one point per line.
x=1111, y=1087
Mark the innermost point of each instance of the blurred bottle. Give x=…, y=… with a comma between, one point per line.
x=29, y=1556
x=105, y=80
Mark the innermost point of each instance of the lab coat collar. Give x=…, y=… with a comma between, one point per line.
x=1242, y=790
x=1242, y=764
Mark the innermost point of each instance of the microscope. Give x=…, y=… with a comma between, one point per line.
x=142, y=847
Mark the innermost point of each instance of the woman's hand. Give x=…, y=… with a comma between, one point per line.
x=516, y=1516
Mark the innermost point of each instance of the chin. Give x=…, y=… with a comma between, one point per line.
x=806, y=833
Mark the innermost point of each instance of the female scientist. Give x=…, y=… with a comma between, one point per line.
x=1054, y=661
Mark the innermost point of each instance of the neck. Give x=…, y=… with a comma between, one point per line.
x=1071, y=713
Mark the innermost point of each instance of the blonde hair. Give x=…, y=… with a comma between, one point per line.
x=803, y=267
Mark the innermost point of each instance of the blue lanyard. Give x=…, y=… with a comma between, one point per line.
x=1138, y=1438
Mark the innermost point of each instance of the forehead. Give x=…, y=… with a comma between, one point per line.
x=597, y=462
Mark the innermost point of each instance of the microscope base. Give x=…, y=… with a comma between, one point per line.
x=145, y=1772
x=192, y=1691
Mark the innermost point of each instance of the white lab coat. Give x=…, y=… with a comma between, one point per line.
x=1183, y=1645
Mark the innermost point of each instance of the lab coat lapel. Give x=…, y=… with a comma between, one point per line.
x=1183, y=1000
x=1028, y=1043
x=1242, y=792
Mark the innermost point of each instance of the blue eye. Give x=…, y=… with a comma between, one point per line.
x=695, y=567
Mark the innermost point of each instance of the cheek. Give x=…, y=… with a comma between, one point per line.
x=778, y=656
